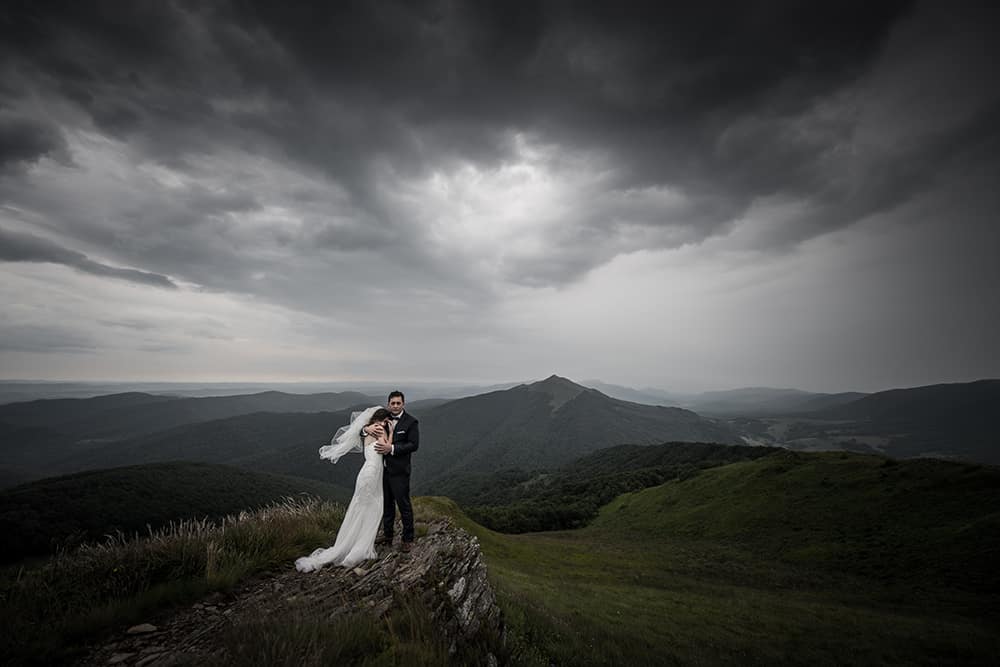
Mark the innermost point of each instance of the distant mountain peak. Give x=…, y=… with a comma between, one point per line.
x=559, y=388
x=556, y=379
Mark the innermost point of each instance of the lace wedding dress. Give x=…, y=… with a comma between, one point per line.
x=356, y=538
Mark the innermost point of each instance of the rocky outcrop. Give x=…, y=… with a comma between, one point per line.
x=444, y=571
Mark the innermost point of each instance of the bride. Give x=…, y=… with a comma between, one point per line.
x=356, y=537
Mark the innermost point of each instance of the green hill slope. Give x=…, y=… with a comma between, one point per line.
x=902, y=522
x=62, y=511
x=516, y=501
x=793, y=558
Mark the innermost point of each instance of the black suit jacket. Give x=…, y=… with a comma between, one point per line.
x=405, y=441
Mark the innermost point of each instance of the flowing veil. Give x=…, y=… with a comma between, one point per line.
x=347, y=439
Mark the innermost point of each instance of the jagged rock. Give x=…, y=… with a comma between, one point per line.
x=445, y=570
x=141, y=629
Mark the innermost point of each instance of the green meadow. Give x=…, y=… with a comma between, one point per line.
x=795, y=558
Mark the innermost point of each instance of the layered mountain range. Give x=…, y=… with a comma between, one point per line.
x=540, y=424
x=549, y=423
x=537, y=425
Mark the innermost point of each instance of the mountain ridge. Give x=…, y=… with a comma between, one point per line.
x=547, y=423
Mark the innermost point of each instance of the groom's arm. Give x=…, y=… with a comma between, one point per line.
x=412, y=442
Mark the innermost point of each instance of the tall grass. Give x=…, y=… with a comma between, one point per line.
x=406, y=636
x=49, y=608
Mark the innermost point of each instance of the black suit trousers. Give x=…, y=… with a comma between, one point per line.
x=396, y=491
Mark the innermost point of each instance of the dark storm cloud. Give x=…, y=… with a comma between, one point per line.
x=24, y=140
x=721, y=103
x=652, y=85
x=17, y=247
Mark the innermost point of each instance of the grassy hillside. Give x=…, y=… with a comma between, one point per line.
x=901, y=522
x=789, y=559
x=517, y=501
x=41, y=516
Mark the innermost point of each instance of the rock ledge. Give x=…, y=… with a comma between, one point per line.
x=445, y=570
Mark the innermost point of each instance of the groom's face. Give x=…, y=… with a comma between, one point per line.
x=395, y=405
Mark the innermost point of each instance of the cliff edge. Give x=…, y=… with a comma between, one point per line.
x=444, y=576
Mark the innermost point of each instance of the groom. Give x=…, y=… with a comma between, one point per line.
x=396, y=476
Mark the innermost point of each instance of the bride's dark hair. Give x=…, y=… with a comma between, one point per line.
x=380, y=415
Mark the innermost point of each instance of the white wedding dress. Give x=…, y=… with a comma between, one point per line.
x=356, y=538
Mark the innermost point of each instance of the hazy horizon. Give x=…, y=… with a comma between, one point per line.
x=428, y=385
x=690, y=198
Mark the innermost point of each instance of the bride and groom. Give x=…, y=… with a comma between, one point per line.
x=387, y=436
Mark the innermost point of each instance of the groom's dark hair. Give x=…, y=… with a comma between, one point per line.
x=396, y=393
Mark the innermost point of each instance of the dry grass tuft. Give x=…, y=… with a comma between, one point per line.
x=77, y=595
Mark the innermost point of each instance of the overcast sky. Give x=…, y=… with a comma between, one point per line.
x=727, y=195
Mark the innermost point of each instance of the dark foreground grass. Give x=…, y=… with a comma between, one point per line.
x=52, y=607
x=792, y=559
x=406, y=636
